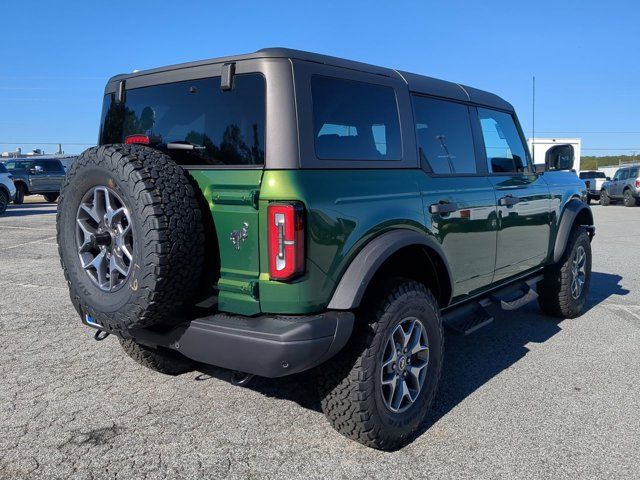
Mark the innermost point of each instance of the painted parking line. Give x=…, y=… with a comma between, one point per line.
x=30, y=285
x=27, y=243
x=28, y=228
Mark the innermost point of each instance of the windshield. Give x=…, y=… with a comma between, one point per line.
x=194, y=121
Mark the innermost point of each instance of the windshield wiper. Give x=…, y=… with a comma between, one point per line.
x=184, y=146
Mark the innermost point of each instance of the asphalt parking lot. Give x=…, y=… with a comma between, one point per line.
x=527, y=397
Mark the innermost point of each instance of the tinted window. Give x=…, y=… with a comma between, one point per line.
x=354, y=120
x=633, y=173
x=18, y=165
x=52, y=167
x=502, y=141
x=223, y=127
x=624, y=174
x=617, y=175
x=443, y=132
x=3, y=169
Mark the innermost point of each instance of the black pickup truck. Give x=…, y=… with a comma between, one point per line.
x=36, y=177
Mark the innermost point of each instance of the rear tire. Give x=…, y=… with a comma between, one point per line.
x=157, y=359
x=4, y=201
x=557, y=295
x=51, y=197
x=21, y=191
x=629, y=200
x=164, y=241
x=605, y=200
x=358, y=396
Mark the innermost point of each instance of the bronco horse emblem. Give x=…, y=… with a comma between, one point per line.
x=238, y=237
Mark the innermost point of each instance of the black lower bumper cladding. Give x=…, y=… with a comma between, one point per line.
x=269, y=345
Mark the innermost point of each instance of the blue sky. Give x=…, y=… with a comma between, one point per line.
x=55, y=57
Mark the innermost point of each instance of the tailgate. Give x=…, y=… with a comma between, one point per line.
x=233, y=199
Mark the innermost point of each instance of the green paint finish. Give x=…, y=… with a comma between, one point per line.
x=232, y=197
x=345, y=209
x=483, y=242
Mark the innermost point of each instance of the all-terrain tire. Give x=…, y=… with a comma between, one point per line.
x=51, y=197
x=157, y=359
x=350, y=383
x=605, y=199
x=4, y=201
x=21, y=191
x=628, y=199
x=554, y=290
x=168, y=237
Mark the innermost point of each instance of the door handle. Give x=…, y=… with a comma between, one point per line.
x=508, y=201
x=443, y=206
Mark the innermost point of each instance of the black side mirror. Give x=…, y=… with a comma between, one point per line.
x=559, y=157
x=608, y=179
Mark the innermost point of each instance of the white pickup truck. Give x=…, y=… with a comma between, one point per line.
x=593, y=181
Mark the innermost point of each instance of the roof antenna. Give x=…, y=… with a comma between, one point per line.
x=533, y=122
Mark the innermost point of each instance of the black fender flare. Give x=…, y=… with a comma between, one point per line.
x=572, y=209
x=364, y=266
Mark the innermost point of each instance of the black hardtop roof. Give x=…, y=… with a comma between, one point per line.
x=415, y=83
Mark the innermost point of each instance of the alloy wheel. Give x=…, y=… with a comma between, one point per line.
x=104, y=238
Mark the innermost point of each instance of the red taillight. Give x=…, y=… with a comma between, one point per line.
x=142, y=139
x=286, y=240
x=637, y=182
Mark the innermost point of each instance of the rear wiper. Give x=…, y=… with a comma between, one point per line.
x=184, y=146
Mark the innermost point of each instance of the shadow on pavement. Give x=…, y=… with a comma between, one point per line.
x=469, y=362
x=27, y=209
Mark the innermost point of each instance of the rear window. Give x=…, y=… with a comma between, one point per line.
x=585, y=175
x=443, y=132
x=354, y=120
x=194, y=121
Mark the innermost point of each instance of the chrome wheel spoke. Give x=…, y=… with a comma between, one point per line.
x=104, y=238
x=403, y=365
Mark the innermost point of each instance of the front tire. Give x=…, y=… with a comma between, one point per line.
x=378, y=390
x=21, y=191
x=157, y=359
x=564, y=289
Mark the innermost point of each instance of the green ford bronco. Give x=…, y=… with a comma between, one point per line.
x=283, y=211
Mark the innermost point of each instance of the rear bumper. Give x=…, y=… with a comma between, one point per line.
x=269, y=345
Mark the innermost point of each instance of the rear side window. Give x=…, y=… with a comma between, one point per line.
x=443, y=133
x=194, y=121
x=502, y=141
x=354, y=120
x=633, y=173
x=624, y=175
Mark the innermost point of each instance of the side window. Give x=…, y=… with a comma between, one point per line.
x=354, y=120
x=505, y=150
x=633, y=173
x=617, y=175
x=10, y=165
x=52, y=167
x=443, y=133
x=624, y=174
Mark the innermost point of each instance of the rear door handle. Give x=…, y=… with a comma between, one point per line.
x=443, y=207
x=508, y=201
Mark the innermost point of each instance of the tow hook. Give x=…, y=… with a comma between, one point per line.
x=100, y=335
x=241, y=379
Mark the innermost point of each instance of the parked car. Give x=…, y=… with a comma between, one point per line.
x=7, y=188
x=625, y=186
x=279, y=211
x=593, y=180
x=36, y=177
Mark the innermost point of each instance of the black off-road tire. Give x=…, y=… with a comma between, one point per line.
x=157, y=359
x=21, y=191
x=4, y=201
x=166, y=218
x=51, y=197
x=605, y=199
x=554, y=290
x=350, y=385
x=628, y=199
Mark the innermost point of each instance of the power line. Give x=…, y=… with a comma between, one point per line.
x=46, y=143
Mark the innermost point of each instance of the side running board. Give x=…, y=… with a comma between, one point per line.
x=472, y=316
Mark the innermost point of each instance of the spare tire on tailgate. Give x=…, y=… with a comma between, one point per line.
x=130, y=237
